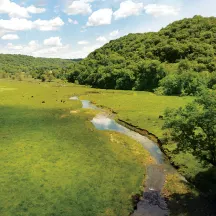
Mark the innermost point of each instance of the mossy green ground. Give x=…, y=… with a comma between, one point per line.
x=55, y=163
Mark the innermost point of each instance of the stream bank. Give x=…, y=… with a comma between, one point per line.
x=151, y=202
x=167, y=173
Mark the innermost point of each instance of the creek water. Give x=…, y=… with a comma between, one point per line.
x=152, y=203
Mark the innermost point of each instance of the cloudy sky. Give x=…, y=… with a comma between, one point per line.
x=74, y=28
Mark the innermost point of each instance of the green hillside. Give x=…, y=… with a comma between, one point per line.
x=179, y=59
x=17, y=65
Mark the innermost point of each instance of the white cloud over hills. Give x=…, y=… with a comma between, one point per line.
x=73, y=28
x=128, y=8
x=79, y=7
x=100, y=17
x=15, y=10
x=161, y=10
x=10, y=37
x=53, y=41
x=21, y=24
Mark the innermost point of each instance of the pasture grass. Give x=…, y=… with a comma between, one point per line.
x=138, y=108
x=56, y=163
x=143, y=109
x=53, y=161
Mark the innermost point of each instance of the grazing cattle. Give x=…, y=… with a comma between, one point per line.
x=161, y=117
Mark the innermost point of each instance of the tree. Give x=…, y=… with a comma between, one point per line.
x=125, y=79
x=170, y=85
x=193, y=128
x=148, y=75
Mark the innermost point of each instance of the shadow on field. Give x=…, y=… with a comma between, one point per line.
x=190, y=204
x=206, y=182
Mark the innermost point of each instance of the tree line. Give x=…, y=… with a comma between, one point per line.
x=177, y=60
x=21, y=66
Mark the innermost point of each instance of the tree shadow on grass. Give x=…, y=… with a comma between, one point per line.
x=206, y=182
x=192, y=204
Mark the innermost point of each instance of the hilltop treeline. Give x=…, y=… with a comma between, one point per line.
x=17, y=66
x=179, y=59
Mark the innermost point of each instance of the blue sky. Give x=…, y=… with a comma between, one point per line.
x=74, y=28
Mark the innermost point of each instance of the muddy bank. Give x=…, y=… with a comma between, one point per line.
x=134, y=128
x=151, y=202
x=141, y=131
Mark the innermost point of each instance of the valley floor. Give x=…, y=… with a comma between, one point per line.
x=145, y=110
x=53, y=161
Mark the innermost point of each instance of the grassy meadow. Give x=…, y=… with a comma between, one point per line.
x=138, y=108
x=53, y=162
x=143, y=109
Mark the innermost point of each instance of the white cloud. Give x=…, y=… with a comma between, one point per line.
x=114, y=33
x=161, y=10
x=128, y=8
x=33, y=48
x=34, y=10
x=100, y=17
x=83, y=42
x=53, y=41
x=79, y=7
x=10, y=37
x=16, y=24
x=75, y=22
x=36, y=49
x=15, y=10
x=101, y=39
x=85, y=51
x=51, y=52
x=48, y=25
x=16, y=47
x=33, y=43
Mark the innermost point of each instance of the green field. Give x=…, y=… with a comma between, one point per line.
x=143, y=109
x=138, y=108
x=55, y=163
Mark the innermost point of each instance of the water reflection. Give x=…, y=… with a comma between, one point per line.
x=103, y=122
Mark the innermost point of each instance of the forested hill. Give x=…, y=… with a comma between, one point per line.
x=189, y=38
x=14, y=65
x=179, y=59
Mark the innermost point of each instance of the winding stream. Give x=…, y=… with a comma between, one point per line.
x=152, y=204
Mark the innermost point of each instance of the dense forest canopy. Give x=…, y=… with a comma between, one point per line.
x=179, y=59
x=39, y=68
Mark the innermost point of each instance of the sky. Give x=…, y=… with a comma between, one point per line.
x=73, y=28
